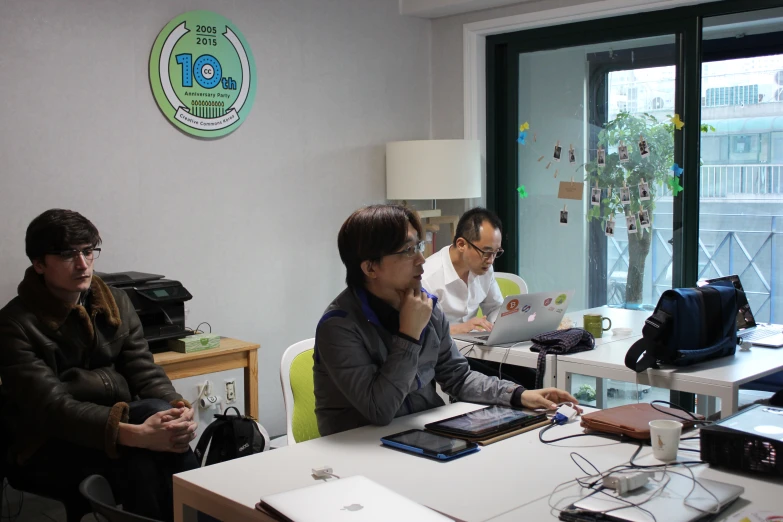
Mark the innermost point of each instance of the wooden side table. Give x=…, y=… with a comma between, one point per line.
x=432, y=221
x=231, y=354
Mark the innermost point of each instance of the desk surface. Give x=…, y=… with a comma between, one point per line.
x=496, y=480
x=738, y=369
x=227, y=346
x=762, y=493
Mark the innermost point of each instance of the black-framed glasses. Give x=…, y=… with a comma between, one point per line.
x=486, y=254
x=68, y=256
x=412, y=250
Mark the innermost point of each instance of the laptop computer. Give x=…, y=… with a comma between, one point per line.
x=349, y=499
x=522, y=317
x=668, y=505
x=769, y=335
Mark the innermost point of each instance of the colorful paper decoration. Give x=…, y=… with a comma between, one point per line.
x=525, y=126
x=674, y=184
x=677, y=170
x=522, y=192
x=678, y=123
x=521, y=138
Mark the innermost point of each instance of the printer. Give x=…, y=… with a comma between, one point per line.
x=159, y=302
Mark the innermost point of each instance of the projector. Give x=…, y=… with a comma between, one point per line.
x=750, y=440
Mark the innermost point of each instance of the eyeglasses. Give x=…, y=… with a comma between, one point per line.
x=484, y=254
x=412, y=250
x=68, y=256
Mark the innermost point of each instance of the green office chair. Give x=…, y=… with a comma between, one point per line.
x=510, y=284
x=296, y=377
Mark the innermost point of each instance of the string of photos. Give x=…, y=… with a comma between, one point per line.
x=624, y=178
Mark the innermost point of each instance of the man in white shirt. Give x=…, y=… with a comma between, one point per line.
x=462, y=277
x=461, y=274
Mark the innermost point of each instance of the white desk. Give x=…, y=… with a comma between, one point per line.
x=762, y=493
x=496, y=480
x=519, y=354
x=717, y=378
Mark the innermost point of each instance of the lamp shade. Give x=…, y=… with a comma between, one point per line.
x=433, y=169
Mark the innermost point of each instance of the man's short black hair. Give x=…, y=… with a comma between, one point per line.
x=469, y=226
x=59, y=229
x=371, y=233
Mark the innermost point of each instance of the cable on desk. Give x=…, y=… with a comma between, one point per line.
x=619, y=438
x=678, y=407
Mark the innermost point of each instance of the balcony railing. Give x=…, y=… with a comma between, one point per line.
x=723, y=181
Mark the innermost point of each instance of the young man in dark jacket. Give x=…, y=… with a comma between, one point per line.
x=383, y=343
x=80, y=391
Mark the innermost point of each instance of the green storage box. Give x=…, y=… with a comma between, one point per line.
x=195, y=343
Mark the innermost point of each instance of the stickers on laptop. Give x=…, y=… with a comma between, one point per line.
x=512, y=307
x=547, y=301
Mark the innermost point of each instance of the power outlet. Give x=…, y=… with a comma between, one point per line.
x=231, y=390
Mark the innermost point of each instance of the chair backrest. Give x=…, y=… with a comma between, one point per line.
x=97, y=491
x=510, y=284
x=296, y=378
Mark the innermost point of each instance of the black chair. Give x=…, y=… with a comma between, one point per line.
x=97, y=491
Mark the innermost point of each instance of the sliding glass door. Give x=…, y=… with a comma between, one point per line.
x=594, y=163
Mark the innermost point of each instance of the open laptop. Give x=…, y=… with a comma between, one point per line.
x=768, y=335
x=351, y=499
x=522, y=317
x=668, y=505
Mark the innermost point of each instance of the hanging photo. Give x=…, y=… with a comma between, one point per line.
x=630, y=222
x=644, y=149
x=609, y=228
x=563, y=217
x=644, y=191
x=625, y=195
x=622, y=152
x=556, y=155
x=601, y=157
x=595, y=196
x=644, y=219
x=571, y=155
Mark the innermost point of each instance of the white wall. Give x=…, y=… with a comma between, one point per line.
x=248, y=223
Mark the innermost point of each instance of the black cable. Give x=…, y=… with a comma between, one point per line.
x=693, y=418
x=9, y=516
x=619, y=438
x=203, y=322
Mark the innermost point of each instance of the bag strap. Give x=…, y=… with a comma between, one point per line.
x=225, y=413
x=203, y=442
x=655, y=333
x=712, y=310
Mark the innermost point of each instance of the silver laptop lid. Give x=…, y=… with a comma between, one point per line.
x=668, y=505
x=349, y=500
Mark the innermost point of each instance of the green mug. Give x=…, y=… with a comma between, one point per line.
x=594, y=324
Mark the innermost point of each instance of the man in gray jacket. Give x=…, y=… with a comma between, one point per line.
x=383, y=343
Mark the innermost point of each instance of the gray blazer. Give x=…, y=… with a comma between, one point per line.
x=365, y=375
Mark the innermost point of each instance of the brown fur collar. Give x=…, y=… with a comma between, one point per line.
x=53, y=312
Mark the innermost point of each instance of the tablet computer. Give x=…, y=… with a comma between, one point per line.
x=486, y=422
x=430, y=444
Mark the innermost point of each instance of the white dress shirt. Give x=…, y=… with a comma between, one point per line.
x=460, y=301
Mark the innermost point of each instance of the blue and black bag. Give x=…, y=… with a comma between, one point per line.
x=689, y=325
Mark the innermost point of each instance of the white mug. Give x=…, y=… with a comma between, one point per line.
x=665, y=439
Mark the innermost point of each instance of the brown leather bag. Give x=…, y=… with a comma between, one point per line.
x=632, y=420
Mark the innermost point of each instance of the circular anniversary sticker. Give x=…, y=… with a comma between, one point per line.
x=202, y=74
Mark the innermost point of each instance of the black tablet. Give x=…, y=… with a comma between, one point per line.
x=486, y=422
x=430, y=444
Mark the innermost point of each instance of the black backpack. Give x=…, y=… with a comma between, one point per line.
x=232, y=436
x=689, y=325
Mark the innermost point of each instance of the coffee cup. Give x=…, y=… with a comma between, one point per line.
x=665, y=439
x=594, y=324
